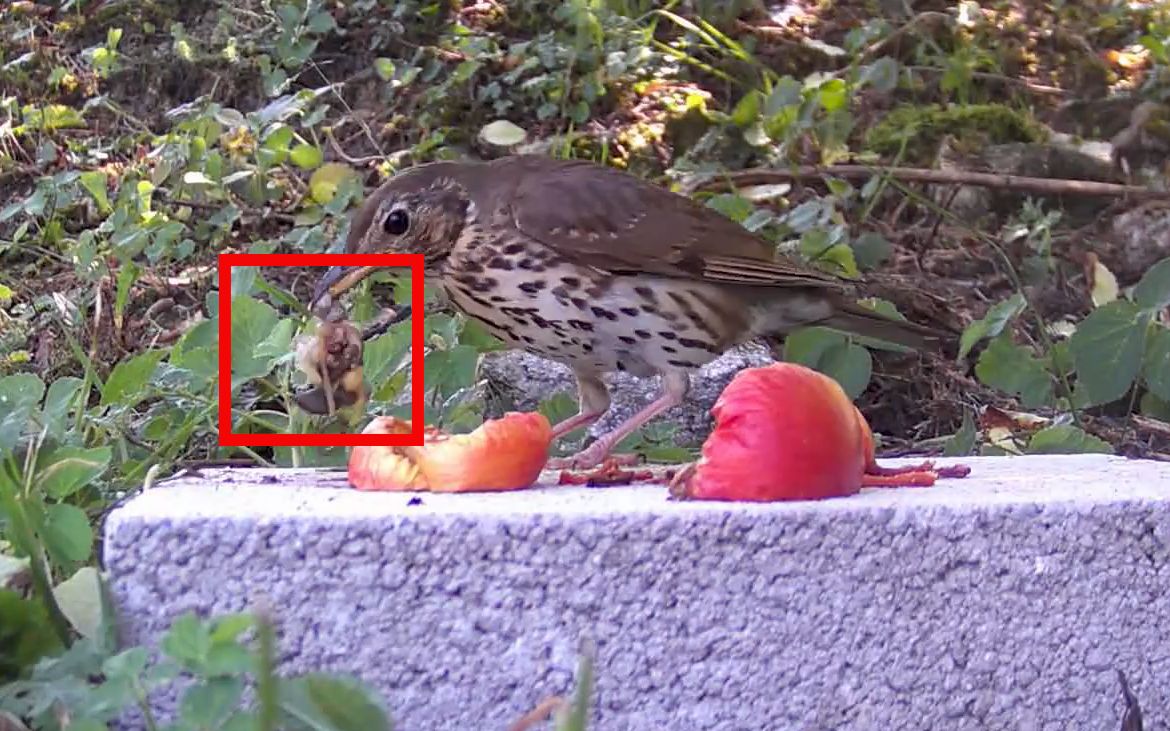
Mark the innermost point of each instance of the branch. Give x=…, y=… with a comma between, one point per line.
x=1050, y=186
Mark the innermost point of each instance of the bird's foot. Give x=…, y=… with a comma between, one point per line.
x=592, y=457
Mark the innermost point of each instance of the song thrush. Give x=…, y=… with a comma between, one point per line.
x=599, y=270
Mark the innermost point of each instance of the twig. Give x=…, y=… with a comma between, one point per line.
x=345, y=155
x=1050, y=186
x=389, y=317
x=1000, y=78
x=349, y=110
x=1149, y=424
x=929, y=17
x=543, y=711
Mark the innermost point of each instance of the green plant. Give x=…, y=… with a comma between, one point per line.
x=210, y=664
x=138, y=141
x=1120, y=351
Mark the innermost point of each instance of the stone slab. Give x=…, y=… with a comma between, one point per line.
x=1006, y=600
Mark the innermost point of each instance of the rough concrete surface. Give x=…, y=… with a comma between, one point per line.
x=1007, y=600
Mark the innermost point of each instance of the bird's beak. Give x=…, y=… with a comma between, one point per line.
x=334, y=282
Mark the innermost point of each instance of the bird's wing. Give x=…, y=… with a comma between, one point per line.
x=616, y=222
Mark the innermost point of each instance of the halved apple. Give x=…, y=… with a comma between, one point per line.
x=501, y=454
x=787, y=432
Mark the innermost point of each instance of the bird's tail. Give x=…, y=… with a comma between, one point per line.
x=859, y=320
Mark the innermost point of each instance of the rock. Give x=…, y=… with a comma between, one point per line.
x=1137, y=239
x=517, y=380
x=1061, y=159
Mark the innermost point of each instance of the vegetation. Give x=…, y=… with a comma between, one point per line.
x=138, y=140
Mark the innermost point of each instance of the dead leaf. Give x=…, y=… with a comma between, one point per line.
x=1102, y=283
x=995, y=417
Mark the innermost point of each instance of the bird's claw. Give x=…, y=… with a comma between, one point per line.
x=589, y=458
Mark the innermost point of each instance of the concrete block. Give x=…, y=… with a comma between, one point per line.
x=1006, y=600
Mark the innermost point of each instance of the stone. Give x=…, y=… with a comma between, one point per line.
x=519, y=381
x=1008, y=599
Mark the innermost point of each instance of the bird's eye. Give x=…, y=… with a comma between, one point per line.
x=396, y=223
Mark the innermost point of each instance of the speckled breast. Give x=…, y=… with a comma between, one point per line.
x=531, y=298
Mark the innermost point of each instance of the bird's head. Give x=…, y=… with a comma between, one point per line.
x=421, y=211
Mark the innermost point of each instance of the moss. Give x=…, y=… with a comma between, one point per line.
x=925, y=126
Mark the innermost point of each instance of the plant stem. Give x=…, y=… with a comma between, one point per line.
x=26, y=538
x=1017, y=284
x=144, y=706
x=266, y=690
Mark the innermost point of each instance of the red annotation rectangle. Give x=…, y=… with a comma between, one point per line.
x=229, y=438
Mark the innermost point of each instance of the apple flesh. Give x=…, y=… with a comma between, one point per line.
x=501, y=454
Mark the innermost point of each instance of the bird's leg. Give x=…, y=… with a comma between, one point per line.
x=592, y=403
x=675, y=385
x=327, y=385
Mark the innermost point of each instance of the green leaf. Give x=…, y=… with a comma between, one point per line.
x=127, y=382
x=244, y=280
x=992, y=324
x=228, y=658
x=278, y=143
x=200, y=365
x=278, y=343
x=65, y=470
x=306, y=157
x=831, y=353
x=241, y=721
x=1066, y=439
x=748, y=109
x=187, y=641
x=1107, y=350
x=447, y=371
x=558, y=407
x=325, y=703
x=962, y=442
x=26, y=635
x=502, y=133
x=94, y=182
x=842, y=257
x=384, y=67
x=19, y=395
x=67, y=534
x=209, y=703
x=578, y=713
x=322, y=22
x=882, y=74
x=327, y=180
x=127, y=275
x=1156, y=367
x=1011, y=368
x=823, y=245
x=871, y=249
x=850, y=365
x=1152, y=292
x=80, y=598
x=59, y=399
x=735, y=207
x=130, y=663
x=806, y=345
x=1153, y=406
x=252, y=322
x=785, y=94
x=228, y=627
x=477, y=336
x=833, y=95
x=383, y=354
